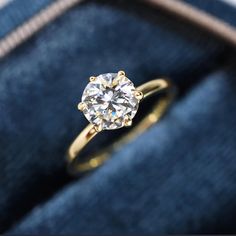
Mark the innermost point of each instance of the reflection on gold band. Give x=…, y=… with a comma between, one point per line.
x=77, y=166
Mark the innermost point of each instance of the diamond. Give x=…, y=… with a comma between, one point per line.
x=109, y=100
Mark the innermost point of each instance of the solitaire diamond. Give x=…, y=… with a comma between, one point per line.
x=109, y=101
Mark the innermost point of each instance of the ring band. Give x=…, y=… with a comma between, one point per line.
x=158, y=86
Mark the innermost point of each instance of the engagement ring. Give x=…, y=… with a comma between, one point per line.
x=110, y=101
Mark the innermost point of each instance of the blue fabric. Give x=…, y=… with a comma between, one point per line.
x=179, y=177
x=176, y=183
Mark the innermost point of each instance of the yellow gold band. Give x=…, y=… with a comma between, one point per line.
x=157, y=86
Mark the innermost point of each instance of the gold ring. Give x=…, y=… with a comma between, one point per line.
x=110, y=101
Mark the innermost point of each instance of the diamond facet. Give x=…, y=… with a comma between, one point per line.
x=109, y=100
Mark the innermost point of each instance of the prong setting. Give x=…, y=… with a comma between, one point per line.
x=121, y=73
x=98, y=128
x=92, y=78
x=81, y=106
x=138, y=95
x=128, y=121
x=115, y=81
x=110, y=101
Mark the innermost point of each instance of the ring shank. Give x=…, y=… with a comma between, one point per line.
x=77, y=166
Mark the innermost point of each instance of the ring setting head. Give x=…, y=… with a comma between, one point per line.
x=110, y=101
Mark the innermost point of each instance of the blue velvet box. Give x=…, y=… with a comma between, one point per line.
x=178, y=177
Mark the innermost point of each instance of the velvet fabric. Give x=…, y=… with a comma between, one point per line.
x=178, y=177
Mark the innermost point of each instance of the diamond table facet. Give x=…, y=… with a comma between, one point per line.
x=109, y=101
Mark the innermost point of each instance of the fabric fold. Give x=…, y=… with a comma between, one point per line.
x=176, y=178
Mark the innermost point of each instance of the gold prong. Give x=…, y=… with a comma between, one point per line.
x=92, y=78
x=98, y=128
x=138, y=95
x=121, y=73
x=128, y=121
x=115, y=81
x=81, y=106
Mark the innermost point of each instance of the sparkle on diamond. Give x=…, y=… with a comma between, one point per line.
x=109, y=101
